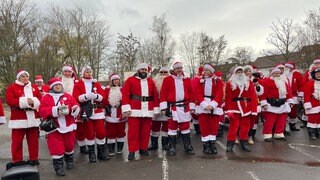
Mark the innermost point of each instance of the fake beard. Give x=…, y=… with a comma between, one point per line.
x=239, y=80
x=115, y=96
x=68, y=84
x=281, y=85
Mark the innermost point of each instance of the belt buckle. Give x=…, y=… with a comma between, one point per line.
x=143, y=98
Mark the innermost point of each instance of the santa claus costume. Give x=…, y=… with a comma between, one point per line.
x=160, y=122
x=209, y=95
x=43, y=88
x=275, y=102
x=63, y=108
x=177, y=99
x=90, y=95
x=140, y=102
x=24, y=100
x=194, y=81
x=241, y=103
x=115, y=123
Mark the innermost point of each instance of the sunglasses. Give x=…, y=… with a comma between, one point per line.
x=163, y=72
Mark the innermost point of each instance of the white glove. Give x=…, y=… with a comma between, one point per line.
x=91, y=96
x=63, y=110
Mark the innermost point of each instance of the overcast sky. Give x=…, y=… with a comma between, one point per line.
x=243, y=22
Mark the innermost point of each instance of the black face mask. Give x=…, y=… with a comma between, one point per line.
x=142, y=75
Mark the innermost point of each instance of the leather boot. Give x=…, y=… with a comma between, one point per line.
x=187, y=144
x=58, y=167
x=102, y=154
x=111, y=148
x=213, y=147
x=230, y=145
x=206, y=148
x=172, y=145
x=317, y=132
x=84, y=149
x=220, y=131
x=154, y=144
x=197, y=128
x=119, y=147
x=244, y=145
x=131, y=156
x=293, y=127
x=92, y=154
x=143, y=152
x=165, y=142
x=304, y=124
x=312, y=134
x=69, y=161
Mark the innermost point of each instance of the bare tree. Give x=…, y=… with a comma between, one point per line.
x=243, y=54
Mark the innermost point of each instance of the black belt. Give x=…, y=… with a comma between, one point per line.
x=211, y=97
x=141, y=98
x=241, y=99
x=276, y=102
x=96, y=106
x=182, y=103
x=23, y=109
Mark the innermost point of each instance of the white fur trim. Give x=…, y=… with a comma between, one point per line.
x=163, y=105
x=81, y=143
x=177, y=65
x=278, y=135
x=214, y=104
x=278, y=110
x=23, y=102
x=90, y=142
x=100, y=141
x=36, y=103
x=82, y=98
x=290, y=101
x=155, y=134
x=172, y=132
x=142, y=66
x=300, y=94
x=192, y=105
x=289, y=65
x=111, y=141
x=23, y=123
x=209, y=67
x=126, y=108
x=311, y=125
x=276, y=69
x=259, y=93
x=55, y=83
x=75, y=112
x=97, y=116
x=312, y=110
x=187, y=131
x=3, y=120
x=212, y=137
x=265, y=136
x=204, y=104
x=141, y=113
x=20, y=73
x=263, y=102
x=57, y=156
x=205, y=138
x=307, y=105
x=156, y=110
x=115, y=76
x=99, y=99
x=67, y=68
x=54, y=111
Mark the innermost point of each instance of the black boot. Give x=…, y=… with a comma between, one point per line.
x=111, y=148
x=172, y=145
x=230, y=145
x=131, y=156
x=119, y=147
x=312, y=133
x=206, y=148
x=187, y=144
x=154, y=143
x=304, y=124
x=293, y=127
x=102, y=154
x=11, y=164
x=213, y=147
x=69, y=161
x=197, y=128
x=143, y=152
x=220, y=131
x=244, y=145
x=84, y=149
x=165, y=142
x=58, y=167
x=317, y=132
x=92, y=154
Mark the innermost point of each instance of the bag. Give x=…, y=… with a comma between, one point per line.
x=86, y=110
x=108, y=109
x=48, y=125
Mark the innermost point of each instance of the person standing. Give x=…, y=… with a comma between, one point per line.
x=63, y=108
x=24, y=101
x=43, y=88
x=194, y=81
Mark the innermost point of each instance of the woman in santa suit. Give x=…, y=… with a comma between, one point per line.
x=89, y=91
x=209, y=95
x=115, y=124
x=63, y=108
x=23, y=99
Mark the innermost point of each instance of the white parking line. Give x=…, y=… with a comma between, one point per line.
x=253, y=175
x=294, y=146
x=165, y=166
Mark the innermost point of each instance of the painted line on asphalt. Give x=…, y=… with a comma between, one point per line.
x=221, y=145
x=165, y=166
x=253, y=175
x=294, y=146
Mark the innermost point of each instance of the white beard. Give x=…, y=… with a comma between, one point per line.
x=68, y=84
x=316, y=92
x=281, y=85
x=115, y=96
x=286, y=72
x=158, y=81
x=240, y=81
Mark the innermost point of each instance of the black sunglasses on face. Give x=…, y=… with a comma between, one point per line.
x=163, y=72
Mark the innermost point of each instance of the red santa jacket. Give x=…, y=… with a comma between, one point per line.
x=296, y=84
x=312, y=97
x=134, y=86
x=113, y=102
x=49, y=109
x=22, y=114
x=243, y=102
x=2, y=116
x=44, y=88
x=271, y=91
x=82, y=88
x=209, y=91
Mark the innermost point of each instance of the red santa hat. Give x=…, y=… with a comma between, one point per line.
x=54, y=81
x=317, y=60
x=114, y=76
x=164, y=69
x=237, y=68
x=290, y=64
x=20, y=72
x=280, y=65
x=218, y=74
x=255, y=68
x=84, y=69
x=248, y=67
x=142, y=66
x=177, y=65
x=38, y=78
x=275, y=70
x=67, y=67
x=209, y=67
x=200, y=70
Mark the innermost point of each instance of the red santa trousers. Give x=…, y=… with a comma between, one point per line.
x=293, y=112
x=138, y=133
x=253, y=121
x=238, y=124
x=60, y=144
x=95, y=132
x=157, y=125
x=81, y=132
x=209, y=125
x=115, y=130
x=274, y=121
x=17, y=136
x=314, y=120
x=173, y=126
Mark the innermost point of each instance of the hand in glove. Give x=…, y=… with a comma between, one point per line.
x=63, y=110
x=91, y=96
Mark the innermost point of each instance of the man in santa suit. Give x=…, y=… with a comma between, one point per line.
x=43, y=88
x=160, y=122
x=24, y=101
x=115, y=123
x=194, y=81
x=140, y=102
x=63, y=108
x=275, y=102
x=312, y=103
x=296, y=84
x=241, y=102
x=209, y=95
x=177, y=101
x=89, y=93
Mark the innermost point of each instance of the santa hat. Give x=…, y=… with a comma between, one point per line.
x=255, y=68
x=67, y=67
x=142, y=66
x=248, y=67
x=280, y=65
x=114, y=76
x=290, y=64
x=54, y=81
x=200, y=70
x=20, y=72
x=237, y=68
x=317, y=60
x=275, y=70
x=218, y=74
x=84, y=69
x=164, y=69
x=209, y=67
x=38, y=78
x=177, y=65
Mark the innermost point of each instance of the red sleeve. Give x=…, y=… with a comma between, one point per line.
x=126, y=92
x=46, y=105
x=228, y=97
x=219, y=91
x=308, y=92
x=1, y=109
x=254, y=98
x=106, y=101
x=198, y=91
x=155, y=93
x=299, y=82
x=10, y=97
x=164, y=92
